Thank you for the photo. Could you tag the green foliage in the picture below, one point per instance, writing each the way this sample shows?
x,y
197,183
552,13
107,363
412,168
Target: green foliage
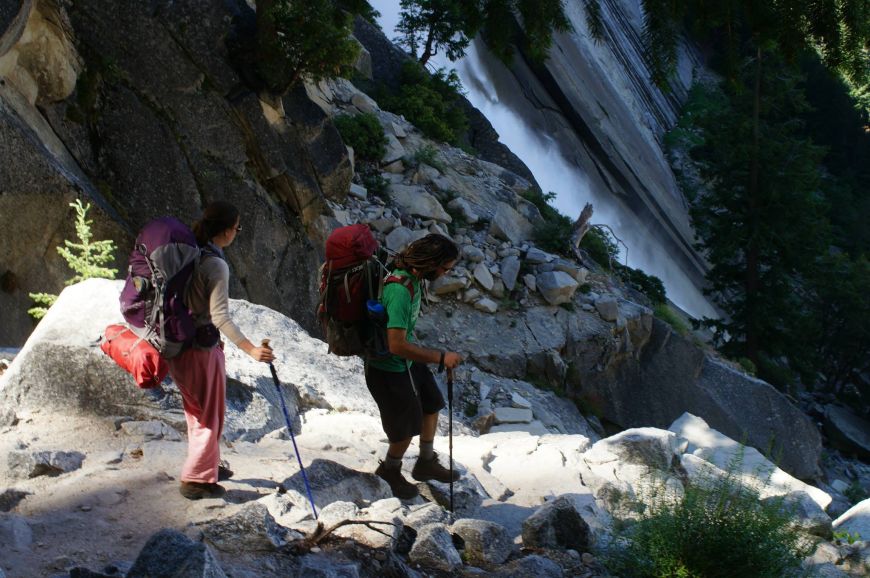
x,y
43,302
855,493
649,285
364,133
552,235
428,155
719,529
297,40
361,7
664,312
427,27
600,246
87,258
375,184
747,365
761,236
840,312
429,101
846,536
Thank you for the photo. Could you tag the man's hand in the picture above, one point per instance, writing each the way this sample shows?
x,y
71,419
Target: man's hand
x,y
452,359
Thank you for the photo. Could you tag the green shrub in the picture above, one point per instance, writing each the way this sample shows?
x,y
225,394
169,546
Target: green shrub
x,y
719,529
431,102
599,245
666,314
776,374
364,133
553,234
375,184
428,155
747,365
855,493
649,285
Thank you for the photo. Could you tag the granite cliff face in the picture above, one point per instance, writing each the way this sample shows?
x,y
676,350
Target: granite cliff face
x,y
138,110
595,103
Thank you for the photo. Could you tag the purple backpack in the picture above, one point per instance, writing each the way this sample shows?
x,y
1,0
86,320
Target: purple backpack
x,y
160,268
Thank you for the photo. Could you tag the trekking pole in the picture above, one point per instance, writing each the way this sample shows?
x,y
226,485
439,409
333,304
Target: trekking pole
x,y
450,431
290,429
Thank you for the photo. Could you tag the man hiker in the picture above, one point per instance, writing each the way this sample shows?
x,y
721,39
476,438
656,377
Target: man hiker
x,y
402,385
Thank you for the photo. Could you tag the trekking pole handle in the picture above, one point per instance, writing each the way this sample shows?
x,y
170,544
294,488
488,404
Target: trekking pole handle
x,y
265,343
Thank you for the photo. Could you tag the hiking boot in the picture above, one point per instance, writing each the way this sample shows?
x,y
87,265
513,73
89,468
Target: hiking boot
x,y
425,470
199,490
224,471
402,488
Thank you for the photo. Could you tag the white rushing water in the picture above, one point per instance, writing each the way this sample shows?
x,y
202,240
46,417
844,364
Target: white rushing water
x,y
557,174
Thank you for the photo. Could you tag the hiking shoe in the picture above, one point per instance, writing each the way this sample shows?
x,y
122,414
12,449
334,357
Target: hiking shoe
x,y
224,471
425,470
402,488
199,490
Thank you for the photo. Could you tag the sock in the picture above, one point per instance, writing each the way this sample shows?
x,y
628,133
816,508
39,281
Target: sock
x,y
427,451
392,463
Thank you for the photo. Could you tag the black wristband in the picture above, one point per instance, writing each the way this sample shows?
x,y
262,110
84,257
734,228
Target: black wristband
x,y
441,363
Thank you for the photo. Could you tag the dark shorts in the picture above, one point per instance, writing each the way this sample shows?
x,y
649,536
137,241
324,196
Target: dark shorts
x,y
401,409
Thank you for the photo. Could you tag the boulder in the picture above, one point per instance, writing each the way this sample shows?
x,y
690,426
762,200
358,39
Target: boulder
x,y
465,209
394,150
61,368
558,525
416,201
509,225
510,269
556,286
171,553
856,520
847,432
251,529
485,542
746,462
532,565
434,548
666,375
483,276
26,464
447,284
486,305
401,237
608,309
332,482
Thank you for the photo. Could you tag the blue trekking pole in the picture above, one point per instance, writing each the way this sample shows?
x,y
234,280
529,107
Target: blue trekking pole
x,y
290,429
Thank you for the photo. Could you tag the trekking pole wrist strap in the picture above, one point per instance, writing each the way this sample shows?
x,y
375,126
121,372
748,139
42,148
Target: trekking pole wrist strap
x,y
441,363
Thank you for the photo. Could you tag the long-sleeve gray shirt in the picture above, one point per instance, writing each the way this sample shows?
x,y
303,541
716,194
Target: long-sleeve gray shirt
x,y
208,297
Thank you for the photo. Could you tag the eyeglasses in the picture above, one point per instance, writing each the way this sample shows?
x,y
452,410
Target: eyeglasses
x,y
238,228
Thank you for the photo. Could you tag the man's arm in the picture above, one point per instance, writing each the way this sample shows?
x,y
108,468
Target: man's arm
x,y
399,345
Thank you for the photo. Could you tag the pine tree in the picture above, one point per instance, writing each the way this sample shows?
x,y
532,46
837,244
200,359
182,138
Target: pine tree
x,y
87,258
302,39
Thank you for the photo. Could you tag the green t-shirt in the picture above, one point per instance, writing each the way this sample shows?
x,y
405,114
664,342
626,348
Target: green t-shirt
x,y
402,313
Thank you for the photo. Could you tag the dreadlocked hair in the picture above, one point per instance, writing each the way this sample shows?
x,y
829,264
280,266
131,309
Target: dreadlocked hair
x,y
427,254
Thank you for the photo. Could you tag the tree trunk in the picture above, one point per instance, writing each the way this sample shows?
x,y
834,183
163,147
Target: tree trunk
x,y
752,251
427,50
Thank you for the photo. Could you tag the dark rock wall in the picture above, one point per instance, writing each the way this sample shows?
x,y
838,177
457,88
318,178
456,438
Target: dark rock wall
x,y
162,123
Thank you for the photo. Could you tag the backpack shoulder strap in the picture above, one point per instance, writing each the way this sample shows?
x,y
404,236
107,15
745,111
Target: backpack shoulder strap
x,y
402,280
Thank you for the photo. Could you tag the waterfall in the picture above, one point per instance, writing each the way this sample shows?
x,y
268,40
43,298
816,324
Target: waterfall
x,y
553,161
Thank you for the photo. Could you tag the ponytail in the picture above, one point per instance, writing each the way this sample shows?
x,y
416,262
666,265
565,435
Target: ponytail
x,y
217,217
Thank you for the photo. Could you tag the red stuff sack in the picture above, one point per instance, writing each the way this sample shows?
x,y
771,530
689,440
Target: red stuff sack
x,y
134,355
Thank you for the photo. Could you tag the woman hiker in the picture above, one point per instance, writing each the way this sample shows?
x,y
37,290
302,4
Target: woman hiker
x,y
402,385
199,370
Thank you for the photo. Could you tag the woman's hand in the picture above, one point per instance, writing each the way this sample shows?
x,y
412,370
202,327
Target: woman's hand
x,y
452,359
263,354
